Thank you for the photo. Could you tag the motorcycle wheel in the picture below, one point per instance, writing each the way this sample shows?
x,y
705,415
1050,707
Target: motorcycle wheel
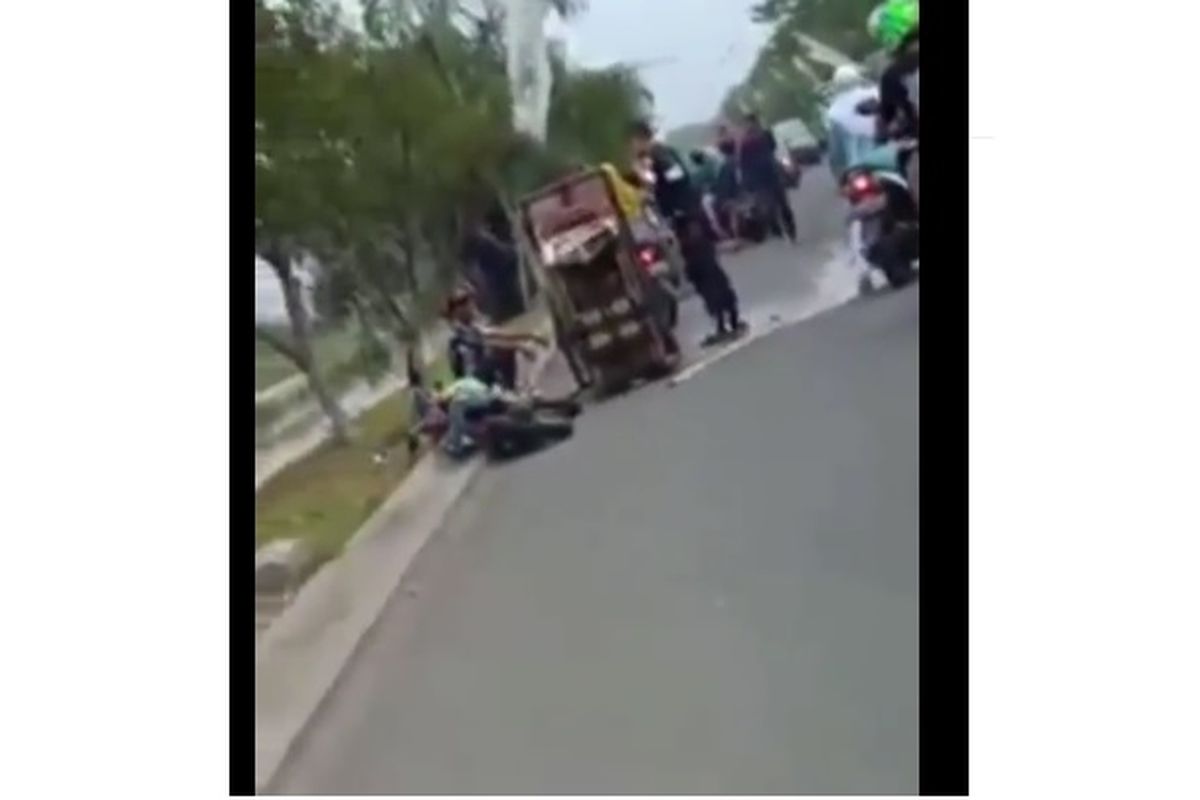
x,y
508,439
899,274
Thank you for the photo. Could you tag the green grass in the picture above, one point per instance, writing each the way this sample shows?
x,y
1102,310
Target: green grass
x,y
325,497
332,348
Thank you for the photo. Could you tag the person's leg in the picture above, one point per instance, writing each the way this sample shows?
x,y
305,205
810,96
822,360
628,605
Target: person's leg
x,y
784,210
726,298
697,277
769,210
457,440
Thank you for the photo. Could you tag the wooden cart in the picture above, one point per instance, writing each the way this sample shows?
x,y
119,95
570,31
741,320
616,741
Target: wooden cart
x,y
612,320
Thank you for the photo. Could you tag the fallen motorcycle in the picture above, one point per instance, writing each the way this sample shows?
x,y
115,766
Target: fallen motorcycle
x,y
502,428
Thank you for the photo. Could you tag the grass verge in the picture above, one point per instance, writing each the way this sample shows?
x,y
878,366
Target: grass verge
x,y
326,496
331,347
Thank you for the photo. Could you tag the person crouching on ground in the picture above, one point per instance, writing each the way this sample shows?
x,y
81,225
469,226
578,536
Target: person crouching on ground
x,y
481,351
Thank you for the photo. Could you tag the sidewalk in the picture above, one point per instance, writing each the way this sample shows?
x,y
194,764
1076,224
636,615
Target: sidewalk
x,y
300,656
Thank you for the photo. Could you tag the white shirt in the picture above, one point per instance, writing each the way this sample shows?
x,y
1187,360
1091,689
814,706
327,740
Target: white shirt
x,y
843,111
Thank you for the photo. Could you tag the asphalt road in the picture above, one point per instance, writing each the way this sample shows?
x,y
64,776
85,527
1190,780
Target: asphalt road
x,y
712,588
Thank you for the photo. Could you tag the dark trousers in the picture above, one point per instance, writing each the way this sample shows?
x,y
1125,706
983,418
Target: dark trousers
x,y
697,241
713,286
774,198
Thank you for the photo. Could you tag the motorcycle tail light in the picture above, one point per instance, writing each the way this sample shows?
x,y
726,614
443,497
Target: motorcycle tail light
x,y
860,186
647,256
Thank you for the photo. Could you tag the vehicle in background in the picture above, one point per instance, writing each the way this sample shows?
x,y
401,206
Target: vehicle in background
x,y
797,148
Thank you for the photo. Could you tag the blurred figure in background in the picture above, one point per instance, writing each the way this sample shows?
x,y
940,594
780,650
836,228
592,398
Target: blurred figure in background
x,y
727,189
763,176
705,168
491,255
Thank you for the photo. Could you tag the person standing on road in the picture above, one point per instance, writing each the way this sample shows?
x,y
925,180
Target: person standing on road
x,y
764,177
679,201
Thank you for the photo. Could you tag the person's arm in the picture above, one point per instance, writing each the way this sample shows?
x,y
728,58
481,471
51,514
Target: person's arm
x,y
511,340
892,99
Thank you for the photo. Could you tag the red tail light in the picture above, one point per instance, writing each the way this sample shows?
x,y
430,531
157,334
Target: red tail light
x,y
860,186
647,256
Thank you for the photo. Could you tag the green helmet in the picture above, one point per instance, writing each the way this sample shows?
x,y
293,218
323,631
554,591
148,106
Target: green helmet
x,y
893,21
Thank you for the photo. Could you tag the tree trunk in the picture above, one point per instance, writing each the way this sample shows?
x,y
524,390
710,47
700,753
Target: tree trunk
x,y
406,332
300,351
408,256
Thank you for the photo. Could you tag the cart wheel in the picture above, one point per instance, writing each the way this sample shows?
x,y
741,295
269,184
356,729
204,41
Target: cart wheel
x,y
578,366
583,374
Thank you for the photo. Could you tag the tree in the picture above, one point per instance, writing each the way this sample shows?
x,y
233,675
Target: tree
x,y
374,148
296,164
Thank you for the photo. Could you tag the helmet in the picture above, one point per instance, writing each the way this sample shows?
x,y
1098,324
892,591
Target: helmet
x,y
891,22
459,295
844,77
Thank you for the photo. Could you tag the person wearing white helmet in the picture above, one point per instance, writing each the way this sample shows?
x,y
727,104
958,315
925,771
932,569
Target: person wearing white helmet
x,y
851,133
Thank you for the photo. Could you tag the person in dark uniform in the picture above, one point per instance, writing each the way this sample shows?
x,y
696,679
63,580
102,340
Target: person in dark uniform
x,y
679,201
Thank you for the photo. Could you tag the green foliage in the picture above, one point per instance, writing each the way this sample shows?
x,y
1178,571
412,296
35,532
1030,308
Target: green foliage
x,y
395,134
788,76
590,114
376,147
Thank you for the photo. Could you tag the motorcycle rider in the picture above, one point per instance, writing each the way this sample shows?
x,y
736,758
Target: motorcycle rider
x,y
895,24
679,201
851,134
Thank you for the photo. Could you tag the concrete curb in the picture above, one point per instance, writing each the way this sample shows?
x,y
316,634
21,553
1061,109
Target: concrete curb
x,y
301,656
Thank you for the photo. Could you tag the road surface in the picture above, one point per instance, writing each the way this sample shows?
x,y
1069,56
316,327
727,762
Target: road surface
x,y
711,589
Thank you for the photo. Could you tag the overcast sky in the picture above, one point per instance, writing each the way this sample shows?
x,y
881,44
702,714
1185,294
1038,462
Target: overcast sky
x,y
706,47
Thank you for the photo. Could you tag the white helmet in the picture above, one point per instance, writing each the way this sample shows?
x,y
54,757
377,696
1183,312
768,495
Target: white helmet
x,y
844,77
